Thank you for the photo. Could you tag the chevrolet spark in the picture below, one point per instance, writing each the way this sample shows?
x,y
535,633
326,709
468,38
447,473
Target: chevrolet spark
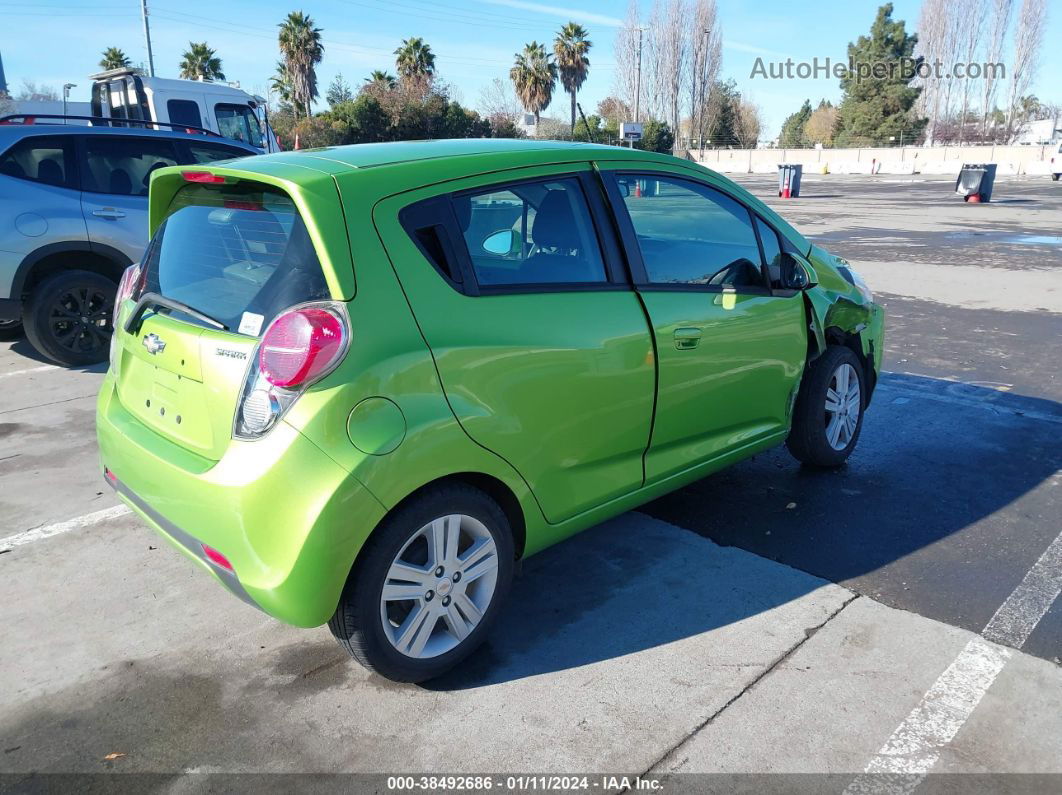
x,y
358,385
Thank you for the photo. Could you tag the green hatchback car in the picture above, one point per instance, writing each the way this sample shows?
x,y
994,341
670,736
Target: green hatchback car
x,y
358,385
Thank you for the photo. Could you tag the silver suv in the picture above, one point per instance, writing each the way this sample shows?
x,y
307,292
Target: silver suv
x,y
73,216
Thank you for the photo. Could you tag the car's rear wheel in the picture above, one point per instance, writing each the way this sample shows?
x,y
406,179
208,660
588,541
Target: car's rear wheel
x,y
68,317
828,415
1055,177
10,329
428,585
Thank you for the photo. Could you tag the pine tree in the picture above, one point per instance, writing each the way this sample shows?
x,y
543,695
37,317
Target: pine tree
x,y
878,96
792,135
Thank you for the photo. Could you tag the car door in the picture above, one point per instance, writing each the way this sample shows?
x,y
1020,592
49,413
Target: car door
x,y
729,349
542,347
39,202
115,174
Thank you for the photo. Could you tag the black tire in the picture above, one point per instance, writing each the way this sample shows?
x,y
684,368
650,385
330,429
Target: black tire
x,y
358,625
10,329
1054,177
68,317
808,441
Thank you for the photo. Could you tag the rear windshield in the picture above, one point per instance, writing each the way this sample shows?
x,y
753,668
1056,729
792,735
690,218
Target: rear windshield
x,y
239,254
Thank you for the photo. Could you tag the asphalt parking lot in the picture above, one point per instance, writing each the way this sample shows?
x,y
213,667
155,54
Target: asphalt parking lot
x,y
897,617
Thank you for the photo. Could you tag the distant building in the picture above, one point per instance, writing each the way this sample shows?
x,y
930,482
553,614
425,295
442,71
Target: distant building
x,y
1039,133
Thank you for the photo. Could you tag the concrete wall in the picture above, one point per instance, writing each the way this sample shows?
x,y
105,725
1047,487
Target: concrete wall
x,y
895,160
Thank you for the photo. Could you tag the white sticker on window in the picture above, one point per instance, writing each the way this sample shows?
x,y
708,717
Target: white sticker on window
x,y
251,323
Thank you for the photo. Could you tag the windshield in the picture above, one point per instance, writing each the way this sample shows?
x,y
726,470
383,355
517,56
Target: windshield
x,y
237,253
240,123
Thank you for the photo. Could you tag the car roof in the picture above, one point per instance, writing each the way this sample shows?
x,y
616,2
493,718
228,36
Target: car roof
x,y
10,133
359,156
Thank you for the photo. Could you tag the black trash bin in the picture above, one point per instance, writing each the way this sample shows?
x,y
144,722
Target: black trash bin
x,y
789,180
975,182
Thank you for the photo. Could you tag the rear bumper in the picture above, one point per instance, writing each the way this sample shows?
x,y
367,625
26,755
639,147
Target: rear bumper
x,y
287,517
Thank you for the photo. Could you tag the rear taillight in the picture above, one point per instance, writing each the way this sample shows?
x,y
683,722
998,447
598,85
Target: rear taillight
x,y
299,348
125,289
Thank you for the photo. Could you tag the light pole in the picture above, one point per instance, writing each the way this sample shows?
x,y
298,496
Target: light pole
x,y
66,96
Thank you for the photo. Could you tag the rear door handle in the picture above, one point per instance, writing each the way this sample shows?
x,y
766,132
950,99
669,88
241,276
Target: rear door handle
x,y
108,212
687,338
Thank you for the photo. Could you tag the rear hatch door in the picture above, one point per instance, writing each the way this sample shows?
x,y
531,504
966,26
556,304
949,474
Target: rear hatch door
x,y
238,254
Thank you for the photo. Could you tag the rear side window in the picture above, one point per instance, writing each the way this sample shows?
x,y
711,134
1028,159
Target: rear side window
x,y
184,111
239,253
43,159
531,233
208,153
122,165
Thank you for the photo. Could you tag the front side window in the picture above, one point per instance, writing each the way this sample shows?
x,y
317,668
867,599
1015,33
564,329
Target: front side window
x,y
240,254
772,252
691,234
239,123
531,233
40,159
122,165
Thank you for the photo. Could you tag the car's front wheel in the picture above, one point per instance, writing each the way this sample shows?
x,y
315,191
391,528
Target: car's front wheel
x,y
828,414
428,585
68,317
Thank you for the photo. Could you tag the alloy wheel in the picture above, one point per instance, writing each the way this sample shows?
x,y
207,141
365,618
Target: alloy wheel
x,y
80,319
439,586
843,404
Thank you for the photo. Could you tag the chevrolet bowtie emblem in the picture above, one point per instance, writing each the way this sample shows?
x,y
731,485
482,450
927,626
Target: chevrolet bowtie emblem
x,y
153,343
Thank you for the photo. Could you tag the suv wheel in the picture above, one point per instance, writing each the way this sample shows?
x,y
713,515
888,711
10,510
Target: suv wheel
x,y
10,329
828,414
68,317
428,585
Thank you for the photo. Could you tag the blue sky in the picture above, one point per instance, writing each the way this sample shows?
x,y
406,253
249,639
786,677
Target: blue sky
x,y
60,40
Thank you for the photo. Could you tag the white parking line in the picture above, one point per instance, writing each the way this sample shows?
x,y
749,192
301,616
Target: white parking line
x,y
40,533
28,370
1018,616
912,750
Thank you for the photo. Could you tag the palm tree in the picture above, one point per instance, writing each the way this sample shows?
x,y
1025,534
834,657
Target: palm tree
x,y
300,45
114,58
379,77
571,47
199,62
280,84
414,59
534,75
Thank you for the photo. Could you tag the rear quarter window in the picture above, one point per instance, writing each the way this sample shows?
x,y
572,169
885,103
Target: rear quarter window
x,y
240,254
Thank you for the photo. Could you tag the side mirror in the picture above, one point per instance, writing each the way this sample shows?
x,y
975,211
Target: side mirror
x,y
503,242
797,273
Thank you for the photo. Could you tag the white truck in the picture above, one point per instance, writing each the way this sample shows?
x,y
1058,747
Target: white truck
x,y
220,107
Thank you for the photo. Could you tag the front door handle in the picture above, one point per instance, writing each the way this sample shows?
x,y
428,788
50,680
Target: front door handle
x,y
687,338
108,212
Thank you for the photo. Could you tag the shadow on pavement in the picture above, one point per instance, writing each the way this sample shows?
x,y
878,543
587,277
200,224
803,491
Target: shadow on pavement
x,y
936,459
